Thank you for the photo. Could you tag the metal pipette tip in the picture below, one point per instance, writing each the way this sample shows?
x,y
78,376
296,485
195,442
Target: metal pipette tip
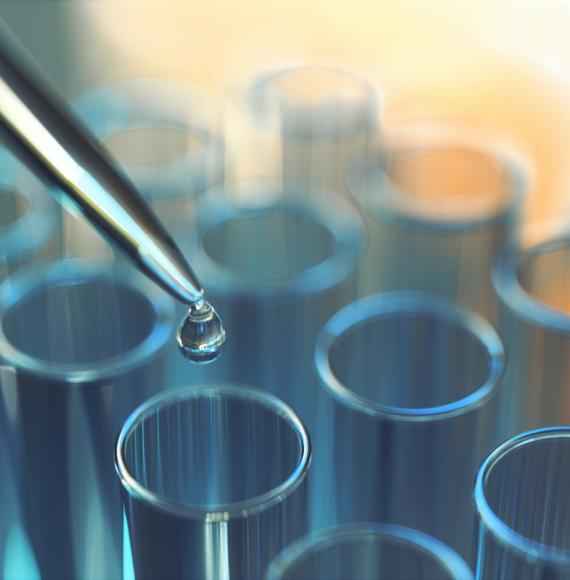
x,y
201,334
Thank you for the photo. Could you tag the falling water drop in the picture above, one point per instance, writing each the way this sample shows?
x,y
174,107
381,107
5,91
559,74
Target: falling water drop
x,y
201,335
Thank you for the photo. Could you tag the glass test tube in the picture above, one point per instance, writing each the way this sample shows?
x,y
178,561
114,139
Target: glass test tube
x,y
438,204
522,503
532,279
163,133
80,345
368,552
323,117
28,217
28,234
277,263
213,481
406,414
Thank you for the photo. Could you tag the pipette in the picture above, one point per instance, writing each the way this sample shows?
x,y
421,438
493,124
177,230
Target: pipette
x,y
41,129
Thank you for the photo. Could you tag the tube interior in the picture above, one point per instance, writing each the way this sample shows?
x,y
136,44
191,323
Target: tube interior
x,y
212,450
545,275
151,147
13,206
365,556
78,321
527,488
409,360
272,243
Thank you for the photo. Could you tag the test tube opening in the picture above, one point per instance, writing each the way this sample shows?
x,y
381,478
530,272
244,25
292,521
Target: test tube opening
x,y
411,355
153,148
521,495
74,316
212,452
368,552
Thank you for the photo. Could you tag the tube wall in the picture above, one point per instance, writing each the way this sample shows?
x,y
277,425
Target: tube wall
x,y
213,482
438,205
368,552
277,265
521,499
406,413
532,279
81,346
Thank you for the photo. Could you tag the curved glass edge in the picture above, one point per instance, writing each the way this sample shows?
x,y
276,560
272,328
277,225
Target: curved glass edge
x,y
262,97
504,534
139,103
65,271
390,303
358,178
38,223
338,216
238,510
449,560
532,240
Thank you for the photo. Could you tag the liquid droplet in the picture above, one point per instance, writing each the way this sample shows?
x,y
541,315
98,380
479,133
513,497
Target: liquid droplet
x,y
201,335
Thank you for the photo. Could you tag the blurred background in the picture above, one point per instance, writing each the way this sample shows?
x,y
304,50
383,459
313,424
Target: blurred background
x,y
499,62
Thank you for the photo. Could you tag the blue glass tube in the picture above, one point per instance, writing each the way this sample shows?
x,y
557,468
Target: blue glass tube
x,y
532,279
277,264
81,345
164,134
29,217
368,552
406,414
213,482
521,499
322,117
438,204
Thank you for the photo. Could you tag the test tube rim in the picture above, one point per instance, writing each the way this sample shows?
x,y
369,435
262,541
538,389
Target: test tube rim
x,y
409,301
383,209
527,548
238,510
70,270
137,90
34,228
346,229
262,87
447,558
505,278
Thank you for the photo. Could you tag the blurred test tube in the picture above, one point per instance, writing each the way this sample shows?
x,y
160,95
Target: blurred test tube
x,y
320,117
29,222
276,264
164,134
523,507
213,482
368,552
80,345
406,414
532,279
438,203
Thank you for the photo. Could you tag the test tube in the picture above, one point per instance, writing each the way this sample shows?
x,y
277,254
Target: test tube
x,y
521,499
277,263
406,414
532,277
163,133
368,552
28,234
28,217
80,346
213,482
321,116
438,204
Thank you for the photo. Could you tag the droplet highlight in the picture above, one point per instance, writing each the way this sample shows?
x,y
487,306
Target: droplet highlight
x,y
201,335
